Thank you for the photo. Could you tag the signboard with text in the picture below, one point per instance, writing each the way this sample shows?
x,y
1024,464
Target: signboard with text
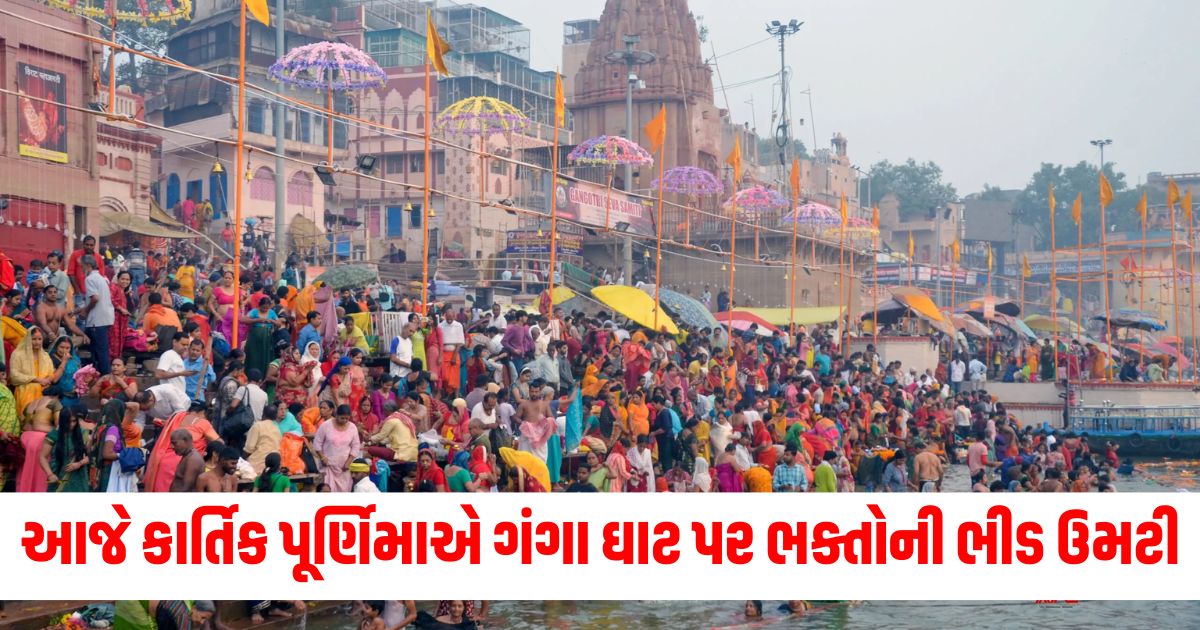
x,y
529,242
586,203
42,113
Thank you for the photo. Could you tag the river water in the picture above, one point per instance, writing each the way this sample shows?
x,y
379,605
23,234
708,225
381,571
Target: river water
x,y
1153,475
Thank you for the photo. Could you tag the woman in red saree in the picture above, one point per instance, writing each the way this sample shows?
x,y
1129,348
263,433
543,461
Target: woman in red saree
x,y
120,302
481,469
429,474
294,379
618,467
161,465
433,353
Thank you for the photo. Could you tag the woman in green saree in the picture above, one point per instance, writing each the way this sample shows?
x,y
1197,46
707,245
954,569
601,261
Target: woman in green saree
x,y
64,456
600,473
259,349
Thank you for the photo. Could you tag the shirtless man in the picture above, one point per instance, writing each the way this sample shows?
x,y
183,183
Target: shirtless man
x,y
534,408
191,464
1052,482
221,477
51,314
927,468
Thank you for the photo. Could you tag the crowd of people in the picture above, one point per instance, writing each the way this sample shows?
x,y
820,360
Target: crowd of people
x,y
124,374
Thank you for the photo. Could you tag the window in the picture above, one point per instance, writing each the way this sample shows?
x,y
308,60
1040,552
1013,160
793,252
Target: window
x,y
124,163
414,217
254,117
439,160
262,186
393,163
195,190
300,189
416,163
373,221
395,221
305,122
499,167
101,159
339,134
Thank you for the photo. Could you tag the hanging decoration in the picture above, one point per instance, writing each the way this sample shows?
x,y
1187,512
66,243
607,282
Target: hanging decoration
x,y
480,116
141,11
689,180
609,151
328,66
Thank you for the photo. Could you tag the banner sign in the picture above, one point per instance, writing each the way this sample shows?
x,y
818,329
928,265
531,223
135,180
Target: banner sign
x,y
42,125
528,242
585,202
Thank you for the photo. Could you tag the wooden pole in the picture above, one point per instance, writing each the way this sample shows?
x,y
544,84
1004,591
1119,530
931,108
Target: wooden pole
x,y
662,159
112,66
1141,276
1192,282
240,179
1108,339
329,119
792,276
1079,284
1175,293
842,301
425,199
554,213
732,266
875,284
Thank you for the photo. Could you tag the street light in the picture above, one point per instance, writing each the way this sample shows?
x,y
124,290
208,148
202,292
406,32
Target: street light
x,y
783,133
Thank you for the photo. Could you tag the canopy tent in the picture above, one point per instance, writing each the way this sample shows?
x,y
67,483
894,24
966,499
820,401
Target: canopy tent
x,y
635,305
804,316
305,234
976,307
1133,318
158,215
1014,324
923,306
113,222
1161,349
968,326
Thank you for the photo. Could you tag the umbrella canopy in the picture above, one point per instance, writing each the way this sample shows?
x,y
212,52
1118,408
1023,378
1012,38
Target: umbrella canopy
x,y
743,326
975,307
804,316
1045,323
855,227
813,213
1013,324
747,318
349,277
480,115
920,303
1169,350
328,66
1133,318
888,311
609,151
635,305
685,309
969,326
757,199
689,180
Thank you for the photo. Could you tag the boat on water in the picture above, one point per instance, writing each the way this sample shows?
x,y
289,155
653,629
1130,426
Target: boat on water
x,y
1147,430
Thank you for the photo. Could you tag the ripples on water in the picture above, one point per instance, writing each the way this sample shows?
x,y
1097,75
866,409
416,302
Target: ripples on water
x,y
1154,475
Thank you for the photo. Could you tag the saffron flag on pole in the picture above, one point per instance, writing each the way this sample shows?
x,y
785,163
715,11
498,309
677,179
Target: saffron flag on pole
x,y
435,46
875,217
844,208
1077,209
1026,270
1051,201
656,130
1106,191
258,8
989,259
735,161
1187,206
560,103
1141,209
1172,193
955,250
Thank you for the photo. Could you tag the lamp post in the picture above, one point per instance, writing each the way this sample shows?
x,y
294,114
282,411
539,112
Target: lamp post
x,y
632,58
783,132
1104,253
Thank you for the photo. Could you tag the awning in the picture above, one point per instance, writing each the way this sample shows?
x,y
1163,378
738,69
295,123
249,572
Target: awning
x,y
113,222
805,316
158,215
921,304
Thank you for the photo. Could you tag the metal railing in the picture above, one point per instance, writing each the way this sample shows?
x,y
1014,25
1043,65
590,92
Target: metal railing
x,y
1139,419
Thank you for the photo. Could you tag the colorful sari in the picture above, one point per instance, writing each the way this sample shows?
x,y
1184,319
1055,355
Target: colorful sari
x,y
116,334
24,366
294,381
9,423
618,466
537,476
259,349
161,465
74,481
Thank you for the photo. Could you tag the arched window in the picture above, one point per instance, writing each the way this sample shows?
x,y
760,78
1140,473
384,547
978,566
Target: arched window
x,y
420,120
300,189
262,187
172,190
498,188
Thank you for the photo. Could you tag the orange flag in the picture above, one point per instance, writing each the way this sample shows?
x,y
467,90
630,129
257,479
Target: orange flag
x,y
734,160
1172,193
1141,209
955,250
435,46
989,257
795,178
1106,191
875,217
1026,270
1077,209
258,8
1052,201
656,130
911,248
560,104
845,210
1187,206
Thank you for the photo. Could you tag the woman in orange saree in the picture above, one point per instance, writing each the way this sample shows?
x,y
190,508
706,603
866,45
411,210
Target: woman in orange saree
x,y
161,465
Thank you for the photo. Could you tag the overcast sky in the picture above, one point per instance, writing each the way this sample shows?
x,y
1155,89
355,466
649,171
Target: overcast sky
x,y
988,89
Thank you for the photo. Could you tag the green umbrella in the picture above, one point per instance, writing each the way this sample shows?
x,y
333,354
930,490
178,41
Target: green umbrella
x,y
349,277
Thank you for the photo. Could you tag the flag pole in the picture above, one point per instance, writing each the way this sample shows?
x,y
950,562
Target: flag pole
x,y
662,155
240,179
1053,283
875,287
1079,275
1104,280
554,200
795,231
1022,294
425,200
1141,274
112,65
1175,293
1187,212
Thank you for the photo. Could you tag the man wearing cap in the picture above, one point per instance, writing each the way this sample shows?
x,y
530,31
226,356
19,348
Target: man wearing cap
x,y
360,472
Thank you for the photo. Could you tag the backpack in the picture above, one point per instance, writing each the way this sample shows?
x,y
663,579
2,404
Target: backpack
x,y
236,423
131,459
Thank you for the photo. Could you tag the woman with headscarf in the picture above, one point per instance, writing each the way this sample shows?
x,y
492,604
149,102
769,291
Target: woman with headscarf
x,y
324,304
701,479
430,477
221,305
336,386
63,456
481,469
66,364
293,380
591,383
618,467
358,377
120,302
311,363
527,472
30,369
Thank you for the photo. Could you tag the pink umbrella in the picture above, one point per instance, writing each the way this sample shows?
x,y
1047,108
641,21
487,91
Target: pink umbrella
x,y
813,213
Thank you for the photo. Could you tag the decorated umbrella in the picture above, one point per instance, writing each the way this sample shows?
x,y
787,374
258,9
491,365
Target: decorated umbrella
x,y
923,306
328,66
635,305
1012,323
754,202
349,277
855,228
113,11
689,181
975,308
813,213
481,117
742,320
610,152
686,309
969,326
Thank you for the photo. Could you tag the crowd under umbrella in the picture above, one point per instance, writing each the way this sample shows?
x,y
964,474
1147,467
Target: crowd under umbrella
x,y
141,12
691,182
609,152
481,117
329,67
754,202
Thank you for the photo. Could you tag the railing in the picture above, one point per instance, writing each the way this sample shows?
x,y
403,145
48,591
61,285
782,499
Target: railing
x,y
1141,419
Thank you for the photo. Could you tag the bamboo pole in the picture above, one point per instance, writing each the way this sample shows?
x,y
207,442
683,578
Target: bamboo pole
x,y
425,199
792,276
1108,339
1053,290
1192,281
240,180
662,159
554,216
1175,295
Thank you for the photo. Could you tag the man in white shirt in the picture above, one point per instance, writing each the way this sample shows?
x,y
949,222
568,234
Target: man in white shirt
x,y
360,472
256,396
402,352
159,402
99,313
171,370
498,320
978,372
485,411
958,371
452,331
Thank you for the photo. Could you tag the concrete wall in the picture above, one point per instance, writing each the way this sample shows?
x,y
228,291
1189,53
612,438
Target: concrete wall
x,y
911,352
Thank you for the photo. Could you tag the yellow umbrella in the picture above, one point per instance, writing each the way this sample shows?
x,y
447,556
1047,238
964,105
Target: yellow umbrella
x,y
634,304
921,304
1045,323
561,294
804,315
529,462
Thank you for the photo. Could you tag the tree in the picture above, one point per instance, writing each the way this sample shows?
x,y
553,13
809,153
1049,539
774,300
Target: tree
x,y
142,76
1032,205
768,151
918,186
